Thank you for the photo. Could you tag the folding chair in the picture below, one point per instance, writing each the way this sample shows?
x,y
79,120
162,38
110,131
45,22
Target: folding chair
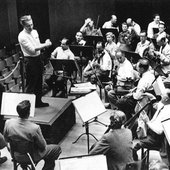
x,y
22,154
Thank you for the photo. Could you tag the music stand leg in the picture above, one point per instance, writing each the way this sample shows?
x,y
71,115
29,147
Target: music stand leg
x,y
86,133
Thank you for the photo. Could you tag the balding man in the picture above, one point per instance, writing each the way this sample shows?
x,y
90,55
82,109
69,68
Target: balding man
x,y
112,23
132,25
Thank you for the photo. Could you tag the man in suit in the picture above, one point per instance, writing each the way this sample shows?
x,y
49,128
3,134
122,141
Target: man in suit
x,y
29,131
116,144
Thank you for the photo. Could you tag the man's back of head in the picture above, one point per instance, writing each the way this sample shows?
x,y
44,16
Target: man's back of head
x,y
23,109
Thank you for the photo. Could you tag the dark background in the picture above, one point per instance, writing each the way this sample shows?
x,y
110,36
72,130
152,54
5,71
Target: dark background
x,y
55,19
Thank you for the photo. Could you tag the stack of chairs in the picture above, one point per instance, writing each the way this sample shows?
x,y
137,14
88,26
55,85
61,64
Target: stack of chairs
x,y
9,78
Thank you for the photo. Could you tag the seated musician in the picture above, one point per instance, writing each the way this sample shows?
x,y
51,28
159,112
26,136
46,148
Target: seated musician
x,y
123,78
111,47
152,25
57,82
161,33
99,68
88,28
155,133
112,23
79,40
143,44
126,37
128,102
162,56
115,144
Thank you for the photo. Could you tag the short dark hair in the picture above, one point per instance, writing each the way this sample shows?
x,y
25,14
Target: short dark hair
x,y
154,15
24,19
23,109
117,119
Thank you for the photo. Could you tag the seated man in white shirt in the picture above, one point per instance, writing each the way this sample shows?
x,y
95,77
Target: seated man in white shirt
x,y
155,132
152,25
122,78
143,44
128,102
57,81
112,23
99,68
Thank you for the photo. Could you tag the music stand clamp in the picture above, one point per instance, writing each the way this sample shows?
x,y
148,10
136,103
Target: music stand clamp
x,y
65,65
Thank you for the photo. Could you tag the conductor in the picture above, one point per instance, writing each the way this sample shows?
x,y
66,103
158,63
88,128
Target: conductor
x,y
30,45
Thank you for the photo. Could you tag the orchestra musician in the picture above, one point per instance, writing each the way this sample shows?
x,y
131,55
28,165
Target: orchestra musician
x,y
116,144
100,66
89,29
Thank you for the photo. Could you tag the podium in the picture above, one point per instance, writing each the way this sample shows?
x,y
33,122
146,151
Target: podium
x,y
92,39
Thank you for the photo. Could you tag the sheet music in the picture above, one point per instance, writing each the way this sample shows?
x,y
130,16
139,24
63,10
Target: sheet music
x,y
11,100
86,85
96,162
159,87
89,106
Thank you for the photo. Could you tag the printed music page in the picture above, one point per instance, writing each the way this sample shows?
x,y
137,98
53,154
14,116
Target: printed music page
x,y
11,100
96,162
89,106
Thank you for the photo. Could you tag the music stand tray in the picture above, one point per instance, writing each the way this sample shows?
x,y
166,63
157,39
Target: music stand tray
x,y
60,64
82,51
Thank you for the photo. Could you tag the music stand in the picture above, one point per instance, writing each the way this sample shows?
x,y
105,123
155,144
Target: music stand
x,y
92,39
132,56
113,30
66,65
82,51
155,30
88,107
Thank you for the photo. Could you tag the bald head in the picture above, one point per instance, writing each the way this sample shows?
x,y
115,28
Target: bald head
x,y
113,19
129,21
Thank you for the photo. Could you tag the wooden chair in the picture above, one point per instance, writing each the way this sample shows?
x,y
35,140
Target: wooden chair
x,y
22,154
9,63
15,57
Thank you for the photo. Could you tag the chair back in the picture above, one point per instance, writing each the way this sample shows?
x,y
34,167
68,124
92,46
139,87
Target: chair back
x,y
22,151
138,165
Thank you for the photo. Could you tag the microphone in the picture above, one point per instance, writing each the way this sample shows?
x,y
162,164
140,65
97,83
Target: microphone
x,y
158,98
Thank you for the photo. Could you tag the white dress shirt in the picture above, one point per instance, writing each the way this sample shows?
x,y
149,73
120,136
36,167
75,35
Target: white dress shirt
x,y
161,114
59,53
144,84
150,32
29,42
141,47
